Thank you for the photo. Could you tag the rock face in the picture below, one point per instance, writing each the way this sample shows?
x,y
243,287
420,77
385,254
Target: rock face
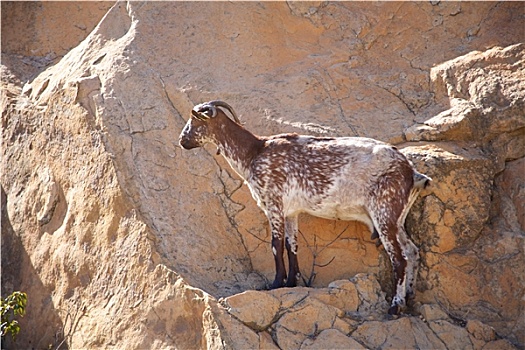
x,y
123,240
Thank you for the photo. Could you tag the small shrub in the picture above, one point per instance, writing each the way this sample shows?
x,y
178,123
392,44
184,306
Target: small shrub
x,y
10,307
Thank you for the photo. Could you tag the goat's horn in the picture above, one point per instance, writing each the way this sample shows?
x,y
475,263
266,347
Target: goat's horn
x,y
198,115
202,108
228,107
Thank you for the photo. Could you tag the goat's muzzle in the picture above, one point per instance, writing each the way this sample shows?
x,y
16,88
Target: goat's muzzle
x,y
187,138
187,143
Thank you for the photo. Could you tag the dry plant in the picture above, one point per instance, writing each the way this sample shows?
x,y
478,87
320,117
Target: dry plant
x,y
316,250
73,316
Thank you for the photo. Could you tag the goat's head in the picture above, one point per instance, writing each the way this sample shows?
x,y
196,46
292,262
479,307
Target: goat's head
x,y
206,120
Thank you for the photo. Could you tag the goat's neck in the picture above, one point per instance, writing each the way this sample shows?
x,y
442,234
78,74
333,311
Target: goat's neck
x,y
239,147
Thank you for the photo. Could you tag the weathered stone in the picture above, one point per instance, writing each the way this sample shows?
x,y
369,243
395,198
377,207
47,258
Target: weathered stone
x,y
453,336
255,309
110,227
501,344
290,297
341,294
457,123
371,297
481,331
306,319
238,335
481,107
404,333
266,341
480,334
458,205
513,195
331,339
432,312
287,339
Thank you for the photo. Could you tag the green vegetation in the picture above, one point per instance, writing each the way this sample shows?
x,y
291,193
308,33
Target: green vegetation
x,y
12,306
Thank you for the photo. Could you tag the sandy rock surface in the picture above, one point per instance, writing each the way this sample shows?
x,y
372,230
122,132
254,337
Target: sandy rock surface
x,y
123,240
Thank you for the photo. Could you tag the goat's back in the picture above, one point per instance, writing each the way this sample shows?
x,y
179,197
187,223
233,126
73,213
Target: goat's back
x,y
326,177
321,159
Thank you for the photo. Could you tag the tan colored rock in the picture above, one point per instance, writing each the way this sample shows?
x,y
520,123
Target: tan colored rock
x,y
481,107
331,339
341,250
371,297
303,312
457,123
459,204
480,334
501,344
53,30
432,312
481,331
306,319
255,309
512,196
106,222
266,342
483,117
238,336
404,333
463,77
453,336
341,294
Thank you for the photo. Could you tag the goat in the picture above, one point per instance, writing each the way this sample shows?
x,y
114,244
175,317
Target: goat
x,y
347,178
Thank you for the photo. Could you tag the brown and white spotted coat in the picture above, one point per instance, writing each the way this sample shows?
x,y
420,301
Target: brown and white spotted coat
x,y
347,178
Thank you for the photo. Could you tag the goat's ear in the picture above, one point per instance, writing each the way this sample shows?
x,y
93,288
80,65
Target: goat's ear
x,y
198,115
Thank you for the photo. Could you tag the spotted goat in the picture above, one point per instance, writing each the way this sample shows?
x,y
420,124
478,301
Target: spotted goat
x,y
347,178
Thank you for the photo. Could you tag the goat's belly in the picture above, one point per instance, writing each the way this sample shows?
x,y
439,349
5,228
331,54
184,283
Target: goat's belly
x,y
341,212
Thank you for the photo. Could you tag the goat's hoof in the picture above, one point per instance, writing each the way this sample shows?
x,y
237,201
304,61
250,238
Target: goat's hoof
x,y
291,284
394,310
411,295
277,284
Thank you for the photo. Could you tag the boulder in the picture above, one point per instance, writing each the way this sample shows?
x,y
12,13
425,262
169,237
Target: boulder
x,y
255,309
123,240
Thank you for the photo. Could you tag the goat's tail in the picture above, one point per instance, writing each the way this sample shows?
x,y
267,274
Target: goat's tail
x,y
421,180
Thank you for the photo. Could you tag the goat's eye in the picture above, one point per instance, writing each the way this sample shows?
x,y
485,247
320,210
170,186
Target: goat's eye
x,y
208,112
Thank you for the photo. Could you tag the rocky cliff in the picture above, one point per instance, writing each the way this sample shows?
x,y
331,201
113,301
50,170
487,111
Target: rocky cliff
x,y
123,240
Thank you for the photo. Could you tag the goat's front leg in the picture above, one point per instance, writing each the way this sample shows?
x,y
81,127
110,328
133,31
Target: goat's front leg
x,y
277,227
290,228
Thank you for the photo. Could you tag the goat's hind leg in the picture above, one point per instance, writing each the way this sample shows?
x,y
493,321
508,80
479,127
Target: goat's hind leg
x,y
404,256
396,250
411,254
